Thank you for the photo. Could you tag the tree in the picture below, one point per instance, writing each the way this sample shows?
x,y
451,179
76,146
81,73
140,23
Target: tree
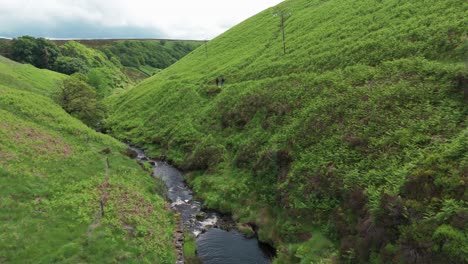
x,y
40,52
23,49
98,79
5,48
69,65
80,100
45,53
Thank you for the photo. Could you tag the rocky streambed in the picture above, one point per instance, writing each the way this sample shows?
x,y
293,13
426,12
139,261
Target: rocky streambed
x,y
217,239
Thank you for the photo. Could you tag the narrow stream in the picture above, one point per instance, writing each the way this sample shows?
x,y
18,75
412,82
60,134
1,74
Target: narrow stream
x,y
217,239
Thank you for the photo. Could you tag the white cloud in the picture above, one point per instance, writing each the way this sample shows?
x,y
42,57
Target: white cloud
x,y
187,19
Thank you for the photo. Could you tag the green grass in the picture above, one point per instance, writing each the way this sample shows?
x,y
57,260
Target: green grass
x,y
27,77
190,249
189,246
337,135
52,169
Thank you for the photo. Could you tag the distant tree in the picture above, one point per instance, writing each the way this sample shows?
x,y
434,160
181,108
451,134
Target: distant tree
x,y
5,48
40,52
45,53
80,100
23,49
69,65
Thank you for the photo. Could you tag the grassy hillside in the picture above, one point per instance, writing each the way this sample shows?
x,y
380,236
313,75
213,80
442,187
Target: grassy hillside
x,y
28,78
351,146
53,177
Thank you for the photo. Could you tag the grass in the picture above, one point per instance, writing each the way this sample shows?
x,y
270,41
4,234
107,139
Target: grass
x,y
190,249
53,169
336,135
189,246
27,77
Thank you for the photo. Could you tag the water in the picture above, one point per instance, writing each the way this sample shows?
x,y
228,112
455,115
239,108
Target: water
x,y
229,247
214,245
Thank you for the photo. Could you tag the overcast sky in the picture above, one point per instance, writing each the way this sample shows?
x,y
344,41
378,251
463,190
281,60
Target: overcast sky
x,y
174,19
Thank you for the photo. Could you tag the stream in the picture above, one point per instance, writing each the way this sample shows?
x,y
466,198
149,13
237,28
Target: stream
x,y
217,239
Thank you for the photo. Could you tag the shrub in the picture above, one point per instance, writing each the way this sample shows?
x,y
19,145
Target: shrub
x,y
69,65
80,100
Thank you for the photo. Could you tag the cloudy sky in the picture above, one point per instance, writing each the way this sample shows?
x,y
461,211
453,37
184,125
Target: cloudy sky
x,y
175,19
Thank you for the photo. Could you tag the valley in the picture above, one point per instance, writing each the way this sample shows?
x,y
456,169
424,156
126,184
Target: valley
x,y
329,131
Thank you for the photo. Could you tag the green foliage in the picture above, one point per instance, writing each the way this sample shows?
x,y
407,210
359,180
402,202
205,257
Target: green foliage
x,y
39,52
190,249
80,100
5,48
189,246
23,49
46,53
69,65
99,79
317,248
104,74
452,242
157,54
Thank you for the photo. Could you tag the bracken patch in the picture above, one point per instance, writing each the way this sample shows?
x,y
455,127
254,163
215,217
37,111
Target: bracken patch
x,y
39,142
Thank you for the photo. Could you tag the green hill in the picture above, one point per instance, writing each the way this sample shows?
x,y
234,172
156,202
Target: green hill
x,y
28,78
350,146
53,177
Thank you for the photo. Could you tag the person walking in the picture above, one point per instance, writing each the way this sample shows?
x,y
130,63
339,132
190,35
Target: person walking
x,y
217,82
222,82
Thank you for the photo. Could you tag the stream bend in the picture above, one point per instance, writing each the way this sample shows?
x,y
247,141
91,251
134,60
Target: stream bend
x,y
214,245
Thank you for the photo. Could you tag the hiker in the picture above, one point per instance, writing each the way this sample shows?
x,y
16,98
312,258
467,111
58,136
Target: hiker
x,y
222,82
217,82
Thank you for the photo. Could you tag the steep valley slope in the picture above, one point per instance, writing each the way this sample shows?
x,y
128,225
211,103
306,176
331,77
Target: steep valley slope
x,y
53,180
350,146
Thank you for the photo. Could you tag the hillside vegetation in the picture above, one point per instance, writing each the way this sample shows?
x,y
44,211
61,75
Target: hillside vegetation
x,y
53,177
351,146
105,74
110,64
148,56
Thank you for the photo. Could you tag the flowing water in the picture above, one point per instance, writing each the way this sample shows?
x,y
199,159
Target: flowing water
x,y
217,239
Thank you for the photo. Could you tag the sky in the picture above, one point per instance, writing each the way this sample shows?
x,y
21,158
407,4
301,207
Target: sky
x,y
171,19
